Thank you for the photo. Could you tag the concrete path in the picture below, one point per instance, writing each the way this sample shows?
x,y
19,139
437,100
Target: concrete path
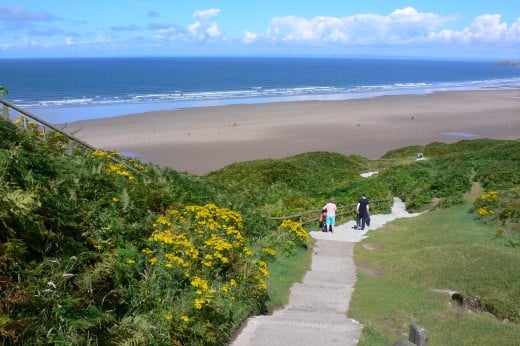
x,y
316,313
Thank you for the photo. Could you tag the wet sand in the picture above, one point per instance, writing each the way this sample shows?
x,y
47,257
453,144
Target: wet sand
x,y
201,140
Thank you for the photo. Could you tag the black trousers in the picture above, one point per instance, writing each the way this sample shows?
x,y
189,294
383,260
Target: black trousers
x,y
363,218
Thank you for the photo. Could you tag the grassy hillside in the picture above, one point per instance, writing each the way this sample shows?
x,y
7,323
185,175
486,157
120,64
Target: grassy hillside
x,y
300,183
408,271
93,251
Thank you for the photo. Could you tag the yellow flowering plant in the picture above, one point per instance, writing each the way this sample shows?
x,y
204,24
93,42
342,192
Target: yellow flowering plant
x,y
119,168
286,240
499,208
202,250
296,232
486,204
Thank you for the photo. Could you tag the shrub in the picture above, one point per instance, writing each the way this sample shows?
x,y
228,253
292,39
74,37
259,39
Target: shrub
x,y
501,210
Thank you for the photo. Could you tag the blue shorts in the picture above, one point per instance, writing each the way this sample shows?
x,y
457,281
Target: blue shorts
x,y
330,220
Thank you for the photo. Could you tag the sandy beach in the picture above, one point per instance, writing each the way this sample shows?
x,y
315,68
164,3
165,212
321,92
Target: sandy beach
x,y
201,140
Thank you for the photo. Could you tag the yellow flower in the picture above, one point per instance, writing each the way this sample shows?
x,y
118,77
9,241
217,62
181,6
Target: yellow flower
x,y
153,260
269,251
147,251
115,199
130,261
199,283
490,195
163,221
263,268
262,285
185,319
198,303
297,229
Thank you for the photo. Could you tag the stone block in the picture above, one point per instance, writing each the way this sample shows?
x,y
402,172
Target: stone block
x,y
418,335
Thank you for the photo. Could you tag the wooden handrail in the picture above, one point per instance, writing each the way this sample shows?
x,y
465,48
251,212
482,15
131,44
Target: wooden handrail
x,y
43,122
5,114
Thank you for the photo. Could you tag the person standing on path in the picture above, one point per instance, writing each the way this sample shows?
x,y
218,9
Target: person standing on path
x,y
330,221
362,209
322,220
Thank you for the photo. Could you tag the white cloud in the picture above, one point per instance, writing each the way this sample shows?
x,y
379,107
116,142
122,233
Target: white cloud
x,y
69,41
401,27
514,31
204,27
213,30
488,28
363,29
249,37
206,14
194,28
485,29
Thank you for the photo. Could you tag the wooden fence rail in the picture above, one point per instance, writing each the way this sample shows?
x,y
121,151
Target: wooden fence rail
x,y
45,126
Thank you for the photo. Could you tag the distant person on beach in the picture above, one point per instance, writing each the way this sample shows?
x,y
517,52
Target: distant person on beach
x,y
330,220
362,209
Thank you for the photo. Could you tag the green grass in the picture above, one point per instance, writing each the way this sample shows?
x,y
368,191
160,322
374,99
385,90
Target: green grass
x,y
443,249
284,272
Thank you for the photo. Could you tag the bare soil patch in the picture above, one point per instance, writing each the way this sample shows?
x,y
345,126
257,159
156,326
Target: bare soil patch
x,y
369,270
372,246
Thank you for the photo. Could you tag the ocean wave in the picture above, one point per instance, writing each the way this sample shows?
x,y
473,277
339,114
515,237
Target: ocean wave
x,y
255,94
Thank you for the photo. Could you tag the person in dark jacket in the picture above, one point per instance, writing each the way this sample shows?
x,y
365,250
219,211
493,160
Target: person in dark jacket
x,y
362,210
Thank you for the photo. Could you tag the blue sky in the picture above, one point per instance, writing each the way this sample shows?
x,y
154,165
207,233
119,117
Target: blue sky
x,y
336,28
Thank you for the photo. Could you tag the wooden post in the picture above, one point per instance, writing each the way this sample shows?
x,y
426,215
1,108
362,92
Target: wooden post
x,y
24,121
70,148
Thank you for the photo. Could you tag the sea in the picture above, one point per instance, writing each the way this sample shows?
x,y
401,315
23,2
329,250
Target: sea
x,y
66,90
